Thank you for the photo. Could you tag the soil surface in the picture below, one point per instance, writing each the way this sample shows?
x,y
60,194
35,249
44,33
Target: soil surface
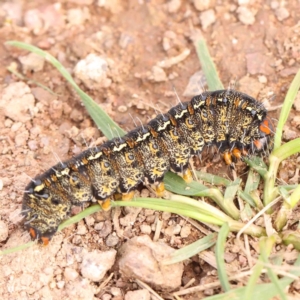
x,y
142,49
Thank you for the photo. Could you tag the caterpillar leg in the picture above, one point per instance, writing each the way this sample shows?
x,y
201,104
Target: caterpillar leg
x,y
160,189
237,153
227,157
187,175
105,204
127,196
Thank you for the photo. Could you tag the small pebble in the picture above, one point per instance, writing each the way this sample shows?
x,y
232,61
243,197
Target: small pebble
x,y
146,229
173,6
245,15
60,284
70,274
207,18
138,295
115,291
202,4
262,79
185,231
95,264
282,13
32,62
158,74
112,240
122,108
81,229
166,215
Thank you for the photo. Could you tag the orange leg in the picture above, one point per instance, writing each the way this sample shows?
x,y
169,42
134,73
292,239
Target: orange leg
x,y
128,196
105,204
237,153
227,158
187,176
45,241
160,189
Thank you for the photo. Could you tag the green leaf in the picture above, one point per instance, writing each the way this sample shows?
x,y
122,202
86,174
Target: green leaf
x,y
220,250
191,250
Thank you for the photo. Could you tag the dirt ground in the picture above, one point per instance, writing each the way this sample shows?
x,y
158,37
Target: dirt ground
x,y
255,45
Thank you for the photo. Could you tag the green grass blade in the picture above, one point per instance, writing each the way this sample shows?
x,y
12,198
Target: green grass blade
x,y
257,164
212,179
220,250
268,290
265,245
100,117
208,66
286,150
285,111
273,277
75,219
191,250
176,184
17,249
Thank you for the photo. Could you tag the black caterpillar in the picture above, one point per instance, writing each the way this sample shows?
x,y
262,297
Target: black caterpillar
x,y
235,122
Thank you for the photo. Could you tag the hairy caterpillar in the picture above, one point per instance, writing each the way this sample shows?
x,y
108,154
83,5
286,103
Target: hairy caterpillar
x,y
235,122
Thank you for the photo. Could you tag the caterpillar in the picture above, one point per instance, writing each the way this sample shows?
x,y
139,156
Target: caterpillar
x,y
234,122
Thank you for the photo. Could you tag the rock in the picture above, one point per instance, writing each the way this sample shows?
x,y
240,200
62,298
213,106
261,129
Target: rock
x,y
245,15
3,231
81,228
115,291
17,102
157,74
112,240
138,295
114,6
185,231
95,264
166,215
281,13
105,228
207,18
141,258
79,289
131,216
203,4
92,71
21,138
289,134
262,79
196,83
146,229
70,274
258,63
32,62
56,109
34,21
122,108
173,230
42,95
77,16
173,6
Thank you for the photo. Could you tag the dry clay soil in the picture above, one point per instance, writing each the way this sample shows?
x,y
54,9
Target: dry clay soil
x,y
255,44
